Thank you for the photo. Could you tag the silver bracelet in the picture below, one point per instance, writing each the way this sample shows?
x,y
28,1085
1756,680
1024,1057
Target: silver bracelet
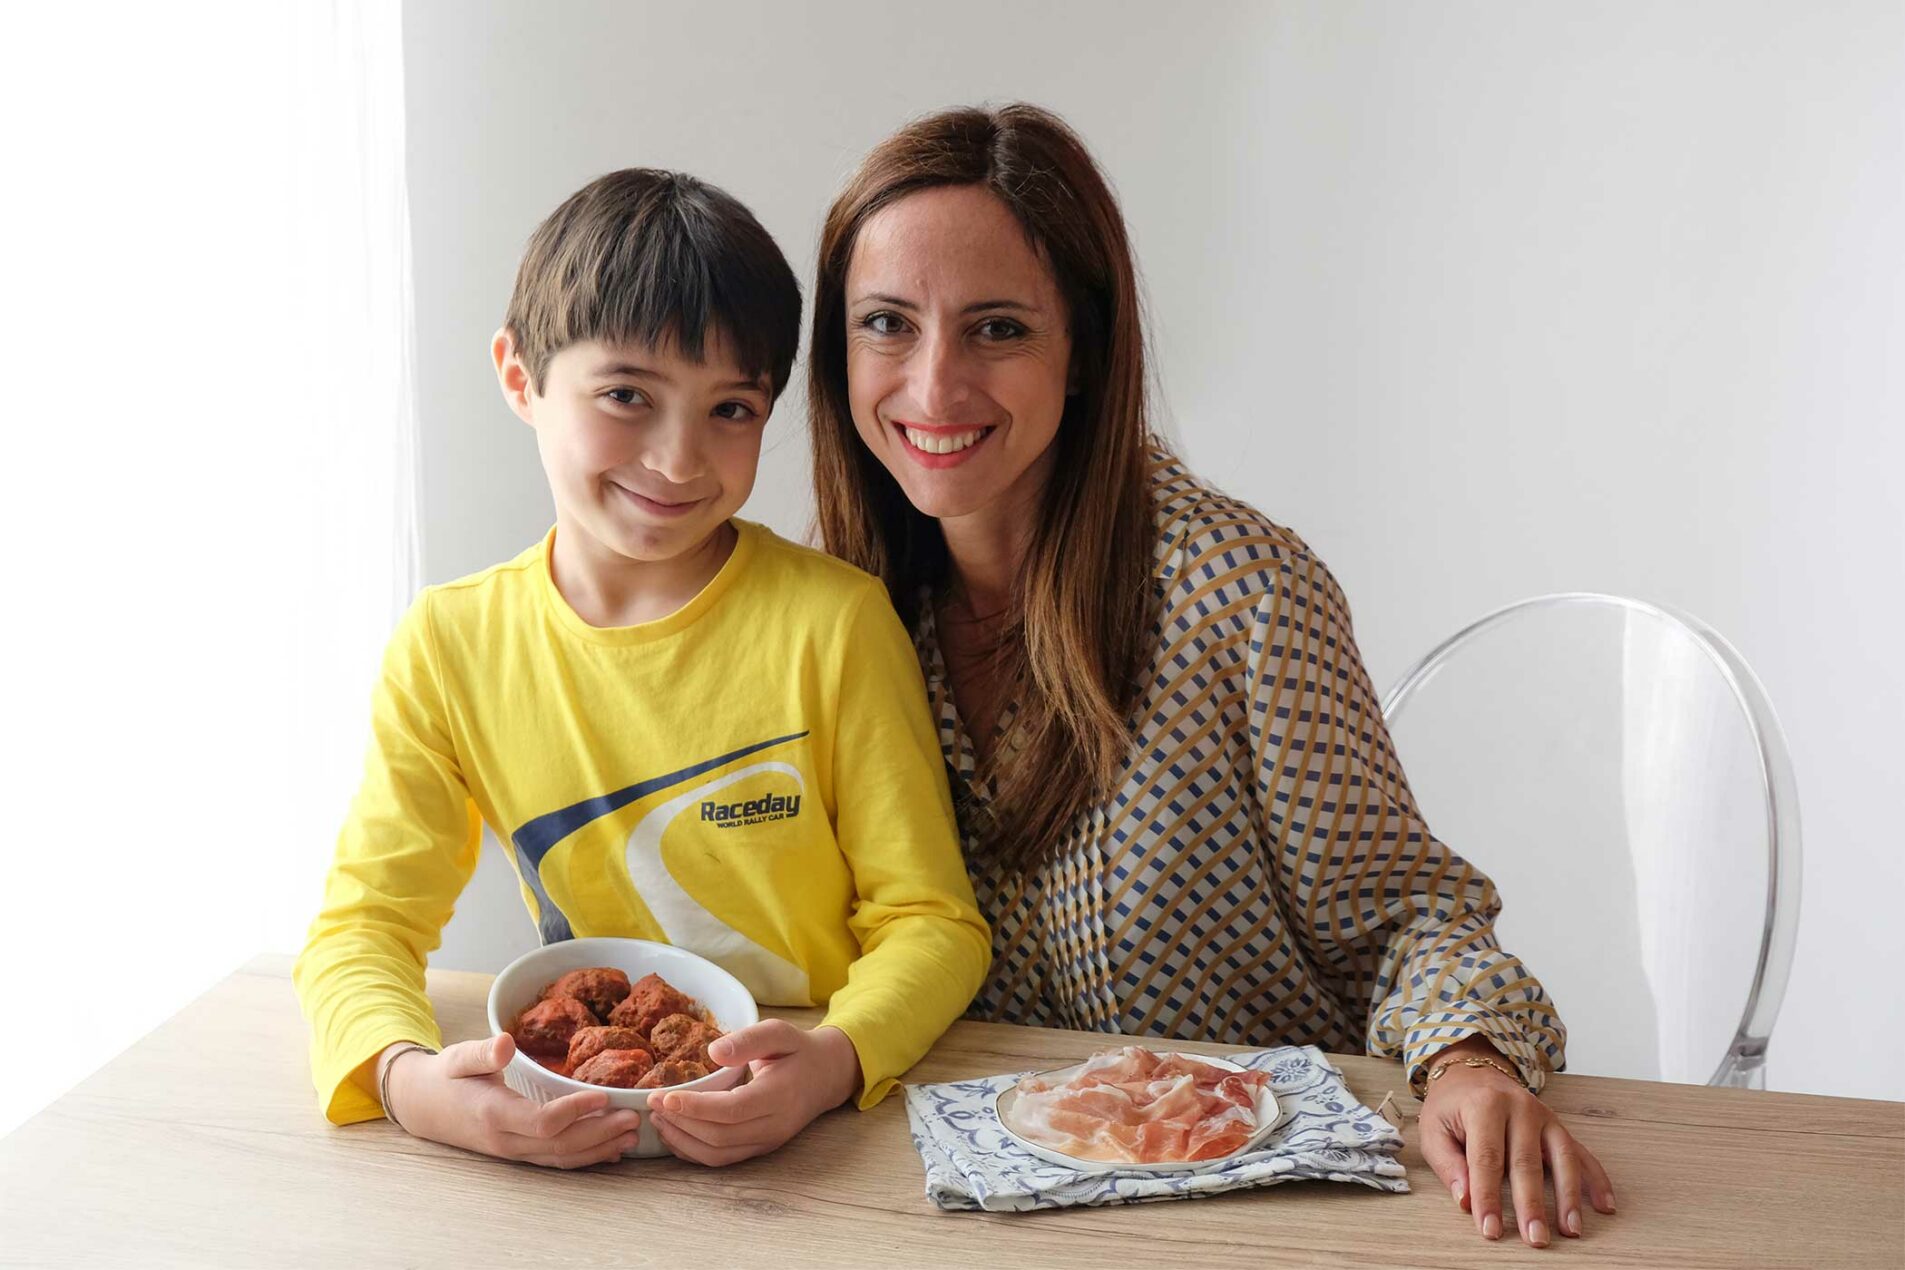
x,y
383,1081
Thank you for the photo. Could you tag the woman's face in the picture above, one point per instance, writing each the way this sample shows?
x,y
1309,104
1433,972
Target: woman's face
x,y
958,352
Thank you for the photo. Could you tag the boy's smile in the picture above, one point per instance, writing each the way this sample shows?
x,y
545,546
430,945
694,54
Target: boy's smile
x,y
658,506
648,453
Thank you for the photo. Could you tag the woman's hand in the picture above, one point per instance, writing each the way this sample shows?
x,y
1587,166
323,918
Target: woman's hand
x,y
1475,1121
796,1076
458,1097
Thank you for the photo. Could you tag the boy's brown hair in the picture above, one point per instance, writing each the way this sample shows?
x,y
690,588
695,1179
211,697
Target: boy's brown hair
x,y
649,256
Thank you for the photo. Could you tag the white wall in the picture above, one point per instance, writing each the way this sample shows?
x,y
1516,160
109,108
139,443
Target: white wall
x,y
1485,300
198,498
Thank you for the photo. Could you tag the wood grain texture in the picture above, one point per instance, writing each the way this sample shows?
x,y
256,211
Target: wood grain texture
x,y
174,1154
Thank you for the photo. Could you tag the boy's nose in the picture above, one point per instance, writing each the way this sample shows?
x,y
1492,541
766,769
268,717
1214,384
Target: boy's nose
x,y
674,453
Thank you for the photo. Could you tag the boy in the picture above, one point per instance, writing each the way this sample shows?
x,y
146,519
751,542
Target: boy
x,y
605,698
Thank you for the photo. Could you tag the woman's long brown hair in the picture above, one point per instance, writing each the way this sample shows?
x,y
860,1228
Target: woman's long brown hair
x,y
1079,628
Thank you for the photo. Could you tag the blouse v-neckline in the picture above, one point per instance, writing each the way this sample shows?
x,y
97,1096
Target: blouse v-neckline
x,y
965,753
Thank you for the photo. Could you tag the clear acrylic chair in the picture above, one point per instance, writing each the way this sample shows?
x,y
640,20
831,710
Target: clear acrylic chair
x,y
1617,769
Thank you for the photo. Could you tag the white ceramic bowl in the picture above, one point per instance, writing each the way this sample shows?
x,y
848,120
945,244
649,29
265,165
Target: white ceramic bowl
x,y
1266,1109
522,982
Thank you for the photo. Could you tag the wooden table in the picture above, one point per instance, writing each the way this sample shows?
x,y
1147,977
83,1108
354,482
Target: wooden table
x,y
167,1157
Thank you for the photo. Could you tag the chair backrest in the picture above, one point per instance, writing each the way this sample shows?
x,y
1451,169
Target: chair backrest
x,y
1616,768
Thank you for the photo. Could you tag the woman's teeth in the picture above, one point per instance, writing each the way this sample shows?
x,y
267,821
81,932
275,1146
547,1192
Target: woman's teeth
x,y
944,442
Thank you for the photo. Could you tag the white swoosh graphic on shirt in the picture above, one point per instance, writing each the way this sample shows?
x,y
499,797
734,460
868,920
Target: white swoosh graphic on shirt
x,y
769,976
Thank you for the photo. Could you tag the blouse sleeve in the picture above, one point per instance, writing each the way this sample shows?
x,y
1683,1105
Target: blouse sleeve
x,y
1397,924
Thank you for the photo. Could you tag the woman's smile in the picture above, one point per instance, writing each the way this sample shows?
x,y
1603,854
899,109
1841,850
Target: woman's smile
x,y
941,445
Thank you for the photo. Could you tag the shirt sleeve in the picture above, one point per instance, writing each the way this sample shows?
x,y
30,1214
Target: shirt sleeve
x,y
407,850
924,948
1396,923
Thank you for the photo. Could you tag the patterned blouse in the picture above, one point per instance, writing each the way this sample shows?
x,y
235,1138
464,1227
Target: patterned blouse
x,y
1261,875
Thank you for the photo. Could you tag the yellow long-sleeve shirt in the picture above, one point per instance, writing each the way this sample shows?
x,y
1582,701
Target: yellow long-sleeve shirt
x,y
754,778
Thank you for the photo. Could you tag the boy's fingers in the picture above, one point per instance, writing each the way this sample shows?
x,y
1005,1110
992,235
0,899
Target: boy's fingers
x,y
589,1134
720,1136
688,1147
509,1114
770,1038
723,1106
479,1058
551,1119
583,1159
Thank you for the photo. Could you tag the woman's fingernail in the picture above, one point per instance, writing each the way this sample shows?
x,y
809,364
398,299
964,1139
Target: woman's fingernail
x,y
1460,1191
1491,1227
1538,1233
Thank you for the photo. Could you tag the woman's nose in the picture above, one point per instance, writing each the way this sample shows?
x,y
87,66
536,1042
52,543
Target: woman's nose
x,y
940,377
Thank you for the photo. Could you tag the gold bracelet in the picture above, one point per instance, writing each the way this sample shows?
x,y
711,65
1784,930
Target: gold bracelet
x,y
1470,1060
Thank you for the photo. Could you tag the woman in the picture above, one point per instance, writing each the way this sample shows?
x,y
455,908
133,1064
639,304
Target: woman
x,y
1180,807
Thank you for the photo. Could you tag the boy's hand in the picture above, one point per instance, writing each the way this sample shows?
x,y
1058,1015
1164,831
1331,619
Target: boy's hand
x,y
458,1097
796,1076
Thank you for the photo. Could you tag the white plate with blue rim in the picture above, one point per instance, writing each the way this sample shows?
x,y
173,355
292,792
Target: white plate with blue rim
x,y
1266,1111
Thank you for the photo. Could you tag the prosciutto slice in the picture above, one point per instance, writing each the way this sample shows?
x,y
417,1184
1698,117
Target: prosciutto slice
x,y
1131,1106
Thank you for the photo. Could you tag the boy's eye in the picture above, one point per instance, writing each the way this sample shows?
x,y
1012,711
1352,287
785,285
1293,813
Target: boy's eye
x,y
883,323
738,410
626,396
1000,329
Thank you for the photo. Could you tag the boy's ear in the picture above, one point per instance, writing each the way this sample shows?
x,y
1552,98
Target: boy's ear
x,y
511,375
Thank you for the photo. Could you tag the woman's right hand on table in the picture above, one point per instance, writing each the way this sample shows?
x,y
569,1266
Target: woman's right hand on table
x,y
458,1098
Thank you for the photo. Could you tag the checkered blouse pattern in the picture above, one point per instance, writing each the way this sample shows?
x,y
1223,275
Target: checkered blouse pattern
x,y
1261,876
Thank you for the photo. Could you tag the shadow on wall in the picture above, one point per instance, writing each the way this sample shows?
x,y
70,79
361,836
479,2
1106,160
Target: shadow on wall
x,y
491,927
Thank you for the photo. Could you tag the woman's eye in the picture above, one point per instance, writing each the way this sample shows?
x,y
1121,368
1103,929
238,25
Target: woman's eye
x,y
883,323
626,396
1000,329
737,410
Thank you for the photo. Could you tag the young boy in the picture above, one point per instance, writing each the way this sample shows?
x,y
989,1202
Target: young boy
x,y
610,697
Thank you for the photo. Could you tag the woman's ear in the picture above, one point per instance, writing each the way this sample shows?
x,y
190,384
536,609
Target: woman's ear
x,y
512,376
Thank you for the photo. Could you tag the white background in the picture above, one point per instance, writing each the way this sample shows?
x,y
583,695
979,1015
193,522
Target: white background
x,y
208,494
1484,300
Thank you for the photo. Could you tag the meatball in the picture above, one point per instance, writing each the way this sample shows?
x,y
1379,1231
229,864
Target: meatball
x,y
546,1027
649,1002
590,1041
618,1069
601,988
684,1037
671,1071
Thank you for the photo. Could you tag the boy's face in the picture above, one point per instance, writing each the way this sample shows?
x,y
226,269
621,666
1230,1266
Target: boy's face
x,y
647,452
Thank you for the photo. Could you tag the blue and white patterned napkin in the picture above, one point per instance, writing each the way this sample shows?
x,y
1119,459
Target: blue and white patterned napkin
x,y
1322,1133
